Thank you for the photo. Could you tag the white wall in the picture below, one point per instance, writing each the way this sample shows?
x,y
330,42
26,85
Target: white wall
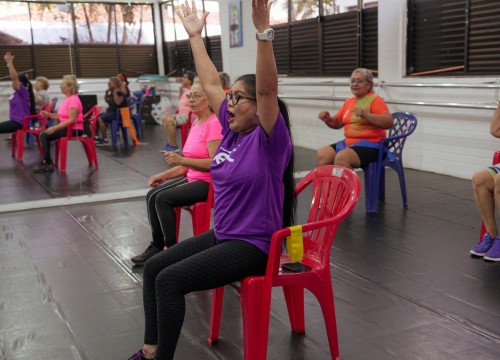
x,y
451,141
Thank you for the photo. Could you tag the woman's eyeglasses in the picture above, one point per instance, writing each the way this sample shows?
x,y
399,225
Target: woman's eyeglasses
x,y
357,81
194,96
235,99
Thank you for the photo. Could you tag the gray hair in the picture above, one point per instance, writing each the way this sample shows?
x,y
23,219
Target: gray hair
x,y
367,74
116,80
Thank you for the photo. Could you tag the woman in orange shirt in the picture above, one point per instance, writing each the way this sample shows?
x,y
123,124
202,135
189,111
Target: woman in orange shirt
x,y
364,117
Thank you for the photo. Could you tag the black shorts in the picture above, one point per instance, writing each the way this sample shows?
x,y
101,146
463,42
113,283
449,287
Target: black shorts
x,y
366,154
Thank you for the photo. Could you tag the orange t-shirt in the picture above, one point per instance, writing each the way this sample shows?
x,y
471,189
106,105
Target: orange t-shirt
x,y
356,128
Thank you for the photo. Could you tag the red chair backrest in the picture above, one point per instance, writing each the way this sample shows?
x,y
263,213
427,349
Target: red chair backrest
x,y
91,116
335,192
43,119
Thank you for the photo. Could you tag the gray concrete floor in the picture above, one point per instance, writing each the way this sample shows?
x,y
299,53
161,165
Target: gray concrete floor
x,y
405,286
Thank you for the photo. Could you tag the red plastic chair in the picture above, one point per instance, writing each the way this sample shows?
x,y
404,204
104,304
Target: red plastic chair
x,y
87,141
496,160
18,136
335,192
200,214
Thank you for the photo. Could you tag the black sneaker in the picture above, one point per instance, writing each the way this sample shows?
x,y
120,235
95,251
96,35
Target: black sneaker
x,y
102,142
44,167
148,253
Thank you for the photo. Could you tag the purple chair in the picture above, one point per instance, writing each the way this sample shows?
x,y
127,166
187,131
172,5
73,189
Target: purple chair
x,y
390,154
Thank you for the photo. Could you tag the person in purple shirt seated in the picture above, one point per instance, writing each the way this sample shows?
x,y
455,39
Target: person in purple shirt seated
x,y
22,101
252,174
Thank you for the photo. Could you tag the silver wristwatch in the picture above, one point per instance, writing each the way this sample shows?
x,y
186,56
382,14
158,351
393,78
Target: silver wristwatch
x,y
266,35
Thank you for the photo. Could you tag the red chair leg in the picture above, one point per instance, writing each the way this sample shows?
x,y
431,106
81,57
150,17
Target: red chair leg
x,y
294,297
13,139
88,152
215,315
94,156
255,308
324,293
19,144
63,150
481,233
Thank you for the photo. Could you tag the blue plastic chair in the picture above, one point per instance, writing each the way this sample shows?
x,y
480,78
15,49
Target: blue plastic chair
x,y
137,118
116,125
390,154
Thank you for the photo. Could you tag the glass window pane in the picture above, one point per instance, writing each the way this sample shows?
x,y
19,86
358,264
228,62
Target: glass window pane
x,y
169,18
51,23
213,19
135,24
331,7
14,23
302,10
95,23
279,12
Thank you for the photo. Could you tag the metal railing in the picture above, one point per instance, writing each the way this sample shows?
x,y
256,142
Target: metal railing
x,y
479,105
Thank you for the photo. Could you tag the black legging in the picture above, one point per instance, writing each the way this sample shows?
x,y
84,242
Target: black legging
x,y
195,264
45,140
161,202
9,126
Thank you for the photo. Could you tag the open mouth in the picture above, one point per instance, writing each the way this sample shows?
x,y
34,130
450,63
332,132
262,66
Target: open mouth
x,y
231,115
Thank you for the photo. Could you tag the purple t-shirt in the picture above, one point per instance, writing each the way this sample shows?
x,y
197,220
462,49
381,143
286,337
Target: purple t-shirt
x,y
247,174
19,104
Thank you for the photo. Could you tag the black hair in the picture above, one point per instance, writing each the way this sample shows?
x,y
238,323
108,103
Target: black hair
x,y
191,75
25,81
249,80
123,77
289,203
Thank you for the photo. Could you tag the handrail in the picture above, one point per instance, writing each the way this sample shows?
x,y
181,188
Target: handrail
x,y
487,85
493,105
323,83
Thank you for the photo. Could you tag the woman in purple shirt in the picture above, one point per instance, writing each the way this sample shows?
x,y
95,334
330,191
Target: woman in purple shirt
x,y
21,102
252,174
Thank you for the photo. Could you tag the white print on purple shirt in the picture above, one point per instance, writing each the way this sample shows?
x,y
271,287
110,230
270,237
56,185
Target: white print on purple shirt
x,y
223,156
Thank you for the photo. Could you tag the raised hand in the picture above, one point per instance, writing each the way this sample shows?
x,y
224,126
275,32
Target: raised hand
x,y
192,23
8,57
260,14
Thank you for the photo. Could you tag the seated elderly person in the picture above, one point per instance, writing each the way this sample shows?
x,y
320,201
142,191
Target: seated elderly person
x,y
486,187
115,99
41,94
70,112
21,102
187,181
364,117
172,122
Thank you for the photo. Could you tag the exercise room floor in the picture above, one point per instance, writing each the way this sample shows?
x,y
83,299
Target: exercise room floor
x,y
404,284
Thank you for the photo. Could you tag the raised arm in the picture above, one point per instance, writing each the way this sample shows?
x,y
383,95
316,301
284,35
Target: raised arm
x,y
266,73
205,69
14,76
